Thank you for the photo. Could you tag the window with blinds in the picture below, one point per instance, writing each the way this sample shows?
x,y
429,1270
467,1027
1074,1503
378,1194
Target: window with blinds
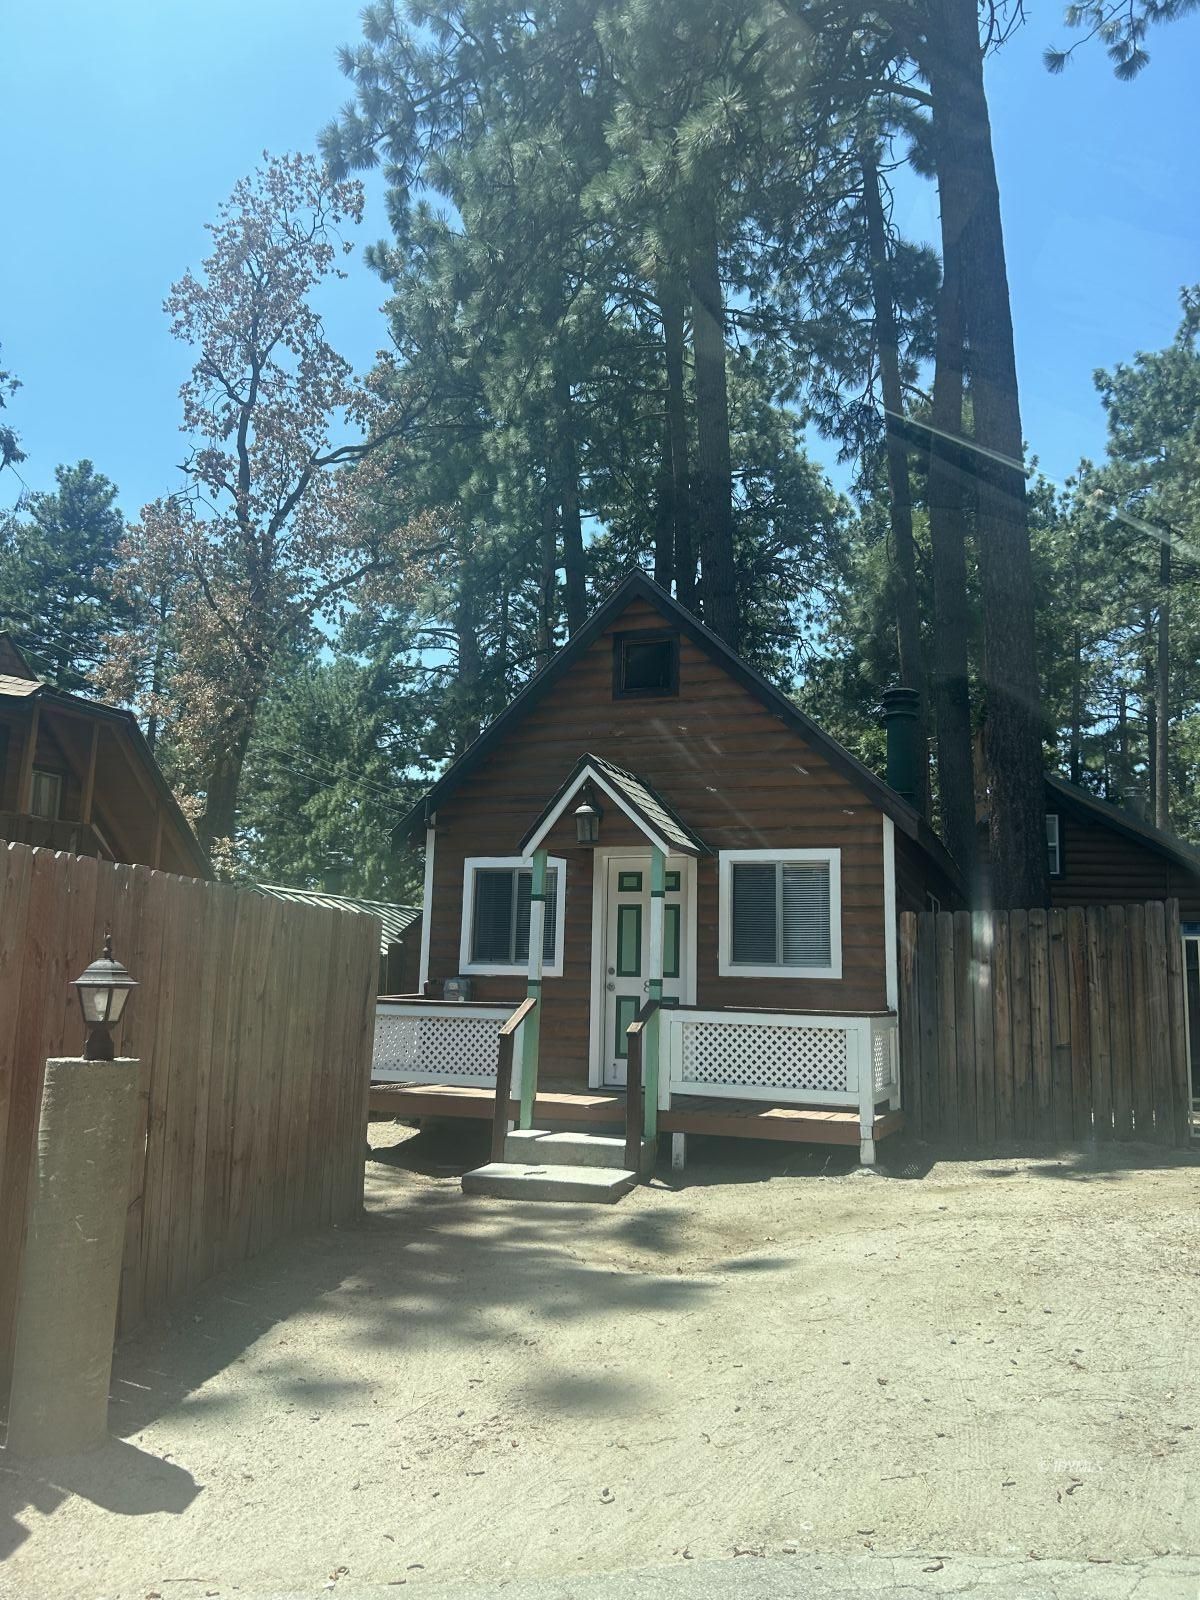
x,y
780,914
500,916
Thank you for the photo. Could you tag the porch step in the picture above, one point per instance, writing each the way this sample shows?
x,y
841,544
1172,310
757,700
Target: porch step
x,y
533,1146
523,1180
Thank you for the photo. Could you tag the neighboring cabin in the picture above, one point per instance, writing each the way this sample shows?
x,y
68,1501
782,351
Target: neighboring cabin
x,y
78,775
1101,854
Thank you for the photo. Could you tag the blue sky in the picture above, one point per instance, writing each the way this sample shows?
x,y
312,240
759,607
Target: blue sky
x,y
126,124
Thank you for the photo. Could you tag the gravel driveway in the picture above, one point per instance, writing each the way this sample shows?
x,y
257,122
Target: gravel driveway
x,y
777,1354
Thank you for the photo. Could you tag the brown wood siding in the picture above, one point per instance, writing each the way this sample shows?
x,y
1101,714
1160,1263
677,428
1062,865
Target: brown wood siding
x,y
917,878
1102,867
732,771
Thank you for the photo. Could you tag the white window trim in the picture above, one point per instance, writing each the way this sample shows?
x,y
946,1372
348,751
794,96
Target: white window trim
x,y
1056,870
725,964
58,787
491,969
427,905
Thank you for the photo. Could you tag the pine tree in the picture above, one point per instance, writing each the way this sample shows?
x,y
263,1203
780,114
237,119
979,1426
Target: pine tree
x,y
56,560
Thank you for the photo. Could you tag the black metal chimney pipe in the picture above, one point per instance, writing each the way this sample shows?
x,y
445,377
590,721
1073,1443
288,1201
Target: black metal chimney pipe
x,y
901,707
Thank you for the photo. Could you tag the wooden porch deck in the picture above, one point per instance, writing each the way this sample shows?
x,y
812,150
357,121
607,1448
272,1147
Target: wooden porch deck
x,y
736,1119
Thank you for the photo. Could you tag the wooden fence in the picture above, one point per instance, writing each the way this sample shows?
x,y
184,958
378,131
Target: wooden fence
x,y
1064,1025
253,1021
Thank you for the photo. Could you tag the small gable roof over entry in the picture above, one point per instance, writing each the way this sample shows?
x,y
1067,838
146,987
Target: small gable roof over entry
x,y
646,810
637,586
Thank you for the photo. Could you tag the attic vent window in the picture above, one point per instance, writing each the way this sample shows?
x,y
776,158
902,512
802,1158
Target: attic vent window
x,y
645,665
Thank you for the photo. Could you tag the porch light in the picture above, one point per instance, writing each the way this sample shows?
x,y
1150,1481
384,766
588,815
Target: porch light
x,y
103,990
587,818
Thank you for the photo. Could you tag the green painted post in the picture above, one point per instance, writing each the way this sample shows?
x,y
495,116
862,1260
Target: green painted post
x,y
658,889
532,1026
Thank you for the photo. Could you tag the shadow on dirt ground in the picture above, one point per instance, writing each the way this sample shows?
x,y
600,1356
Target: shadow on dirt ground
x,y
771,1347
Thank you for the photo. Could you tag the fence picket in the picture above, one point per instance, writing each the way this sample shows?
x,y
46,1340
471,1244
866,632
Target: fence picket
x,y
1181,1087
1120,1021
1098,1024
1002,1026
947,1028
1022,1041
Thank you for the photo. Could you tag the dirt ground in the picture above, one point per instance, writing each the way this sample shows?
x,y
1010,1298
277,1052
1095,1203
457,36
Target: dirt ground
x,y
772,1352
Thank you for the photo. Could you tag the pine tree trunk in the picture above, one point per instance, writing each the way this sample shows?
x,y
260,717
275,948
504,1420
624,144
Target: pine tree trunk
x,y
1162,690
1153,710
574,567
664,516
671,305
905,594
468,659
1076,752
549,566
713,476
947,526
1013,726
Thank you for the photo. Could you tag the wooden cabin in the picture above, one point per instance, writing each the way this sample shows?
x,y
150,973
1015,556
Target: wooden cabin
x,y
653,827
1105,855
78,775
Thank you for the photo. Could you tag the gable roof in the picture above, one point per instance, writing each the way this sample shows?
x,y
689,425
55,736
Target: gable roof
x,y
646,810
13,660
32,687
637,586
1093,809
394,918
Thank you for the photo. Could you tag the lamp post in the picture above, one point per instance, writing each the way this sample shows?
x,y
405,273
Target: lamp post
x,y
103,990
587,818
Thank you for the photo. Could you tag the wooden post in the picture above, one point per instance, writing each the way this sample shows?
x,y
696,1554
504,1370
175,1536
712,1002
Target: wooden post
x,y
658,881
633,1094
504,1066
89,782
28,755
533,989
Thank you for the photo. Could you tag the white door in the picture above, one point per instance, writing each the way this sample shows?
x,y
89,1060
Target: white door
x,y
626,950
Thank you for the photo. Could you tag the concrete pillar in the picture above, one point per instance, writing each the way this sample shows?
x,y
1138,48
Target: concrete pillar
x,y
71,1267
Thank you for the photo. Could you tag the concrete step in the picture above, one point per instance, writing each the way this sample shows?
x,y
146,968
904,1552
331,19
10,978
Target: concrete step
x,y
534,1146
523,1180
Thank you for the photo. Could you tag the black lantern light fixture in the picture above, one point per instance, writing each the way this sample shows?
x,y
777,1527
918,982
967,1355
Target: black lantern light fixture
x,y
587,818
103,990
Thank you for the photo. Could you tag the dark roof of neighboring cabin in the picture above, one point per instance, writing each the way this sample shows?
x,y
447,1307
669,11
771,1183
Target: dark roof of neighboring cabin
x,y
31,687
637,586
637,795
1124,822
13,660
396,919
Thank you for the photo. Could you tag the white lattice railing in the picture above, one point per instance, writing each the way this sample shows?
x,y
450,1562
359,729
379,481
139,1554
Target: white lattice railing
x,y
780,1056
421,1042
